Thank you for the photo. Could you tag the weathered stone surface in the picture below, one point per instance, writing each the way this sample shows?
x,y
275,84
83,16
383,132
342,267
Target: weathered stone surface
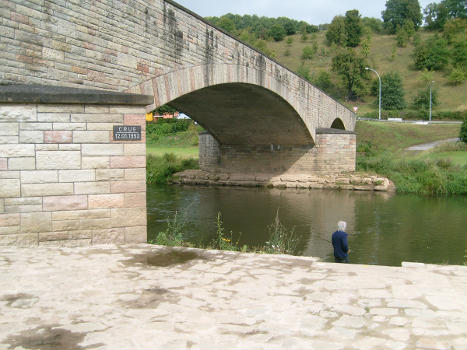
x,y
76,175
36,222
95,162
106,201
14,150
46,189
10,188
91,136
127,186
72,202
22,163
126,217
31,136
58,160
39,176
17,113
62,136
102,150
128,161
92,187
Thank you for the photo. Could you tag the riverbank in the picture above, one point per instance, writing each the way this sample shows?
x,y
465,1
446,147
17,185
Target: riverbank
x,y
343,181
109,297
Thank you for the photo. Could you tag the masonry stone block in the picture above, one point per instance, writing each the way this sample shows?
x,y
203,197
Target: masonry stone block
x,y
27,150
126,217
35,126
18,113
91,136
69,126
62,136
77,214
102,149
22,163
46,189
136,234
53,117
128,161
95,162
23,204
110,174
9,139
36,222
31,136
97,118
9,220
92,187
113,235
39,176
47,147
58,160
71,202
9,188
76,175
135,200
60,108
3,164
127,186
9,129
137,149
106,201
135,174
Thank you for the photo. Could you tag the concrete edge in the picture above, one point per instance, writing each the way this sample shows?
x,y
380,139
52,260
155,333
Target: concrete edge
x,y
46,94
334,131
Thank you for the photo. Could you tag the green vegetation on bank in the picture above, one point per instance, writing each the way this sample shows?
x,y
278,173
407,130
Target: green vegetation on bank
x,y
440,171
281,240
171,147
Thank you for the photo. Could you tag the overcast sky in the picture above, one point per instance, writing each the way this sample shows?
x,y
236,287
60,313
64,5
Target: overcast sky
x,y
311,11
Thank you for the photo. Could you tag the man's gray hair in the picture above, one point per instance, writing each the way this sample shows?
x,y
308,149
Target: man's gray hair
x,y
341,225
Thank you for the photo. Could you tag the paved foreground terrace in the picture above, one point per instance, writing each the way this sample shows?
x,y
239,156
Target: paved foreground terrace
x,y
152,297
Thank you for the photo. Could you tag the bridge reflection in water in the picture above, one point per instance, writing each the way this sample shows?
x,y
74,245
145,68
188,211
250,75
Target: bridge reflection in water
x,y
385,229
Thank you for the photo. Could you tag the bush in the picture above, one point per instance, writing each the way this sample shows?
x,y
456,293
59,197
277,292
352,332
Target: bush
x,y
422,99
307,53
431,54
456,77
392,92
160,169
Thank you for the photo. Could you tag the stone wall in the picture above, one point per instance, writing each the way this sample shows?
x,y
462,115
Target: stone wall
x,y
63,180
334,152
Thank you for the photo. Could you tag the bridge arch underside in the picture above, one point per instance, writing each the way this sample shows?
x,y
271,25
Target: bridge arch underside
x,y
250,130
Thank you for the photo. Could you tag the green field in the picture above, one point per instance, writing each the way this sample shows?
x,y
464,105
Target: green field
x,y
452,98
182,152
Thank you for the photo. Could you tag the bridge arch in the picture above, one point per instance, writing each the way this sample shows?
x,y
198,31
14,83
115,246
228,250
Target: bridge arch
x,y
338,124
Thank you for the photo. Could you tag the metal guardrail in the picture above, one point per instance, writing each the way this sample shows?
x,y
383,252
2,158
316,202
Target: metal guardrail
x,y
422,122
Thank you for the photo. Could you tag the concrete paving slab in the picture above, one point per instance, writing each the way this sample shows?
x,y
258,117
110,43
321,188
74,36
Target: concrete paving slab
x,y
153,297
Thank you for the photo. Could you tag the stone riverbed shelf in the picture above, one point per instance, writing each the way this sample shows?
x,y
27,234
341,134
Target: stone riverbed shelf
x,y
343,181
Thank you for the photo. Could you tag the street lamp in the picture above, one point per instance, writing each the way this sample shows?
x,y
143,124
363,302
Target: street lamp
x,y
379,110
431,83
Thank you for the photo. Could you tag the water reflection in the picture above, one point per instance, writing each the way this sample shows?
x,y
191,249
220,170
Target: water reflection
x,y
384,229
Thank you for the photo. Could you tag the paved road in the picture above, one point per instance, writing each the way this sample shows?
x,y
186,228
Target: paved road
x,y
150,297
427,146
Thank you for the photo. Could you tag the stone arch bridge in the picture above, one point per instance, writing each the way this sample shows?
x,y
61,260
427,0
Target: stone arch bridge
x,y
70,70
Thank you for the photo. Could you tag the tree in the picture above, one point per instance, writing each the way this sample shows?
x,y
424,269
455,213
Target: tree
x,y
375,24
436,16
351,68
422,99
323,81
392,92
336,31
459,54
307,53
456,8
431,54
226,23
277,32
353,28
397,11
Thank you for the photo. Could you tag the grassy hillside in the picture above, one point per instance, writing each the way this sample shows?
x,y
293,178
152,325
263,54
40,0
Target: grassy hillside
x,y
452,98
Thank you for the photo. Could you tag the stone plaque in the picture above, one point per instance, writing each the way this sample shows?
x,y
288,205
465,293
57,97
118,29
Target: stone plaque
x,y
127,133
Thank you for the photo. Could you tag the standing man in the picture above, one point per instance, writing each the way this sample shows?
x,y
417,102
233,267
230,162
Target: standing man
x,y
340,244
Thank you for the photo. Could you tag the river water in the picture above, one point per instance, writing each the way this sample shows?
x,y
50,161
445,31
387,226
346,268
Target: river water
x,y
384,229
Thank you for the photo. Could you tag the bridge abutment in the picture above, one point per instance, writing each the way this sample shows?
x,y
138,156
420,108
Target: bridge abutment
x,y
333,152
64,180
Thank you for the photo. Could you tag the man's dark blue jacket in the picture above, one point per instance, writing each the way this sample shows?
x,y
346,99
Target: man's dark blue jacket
x,y
339,242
